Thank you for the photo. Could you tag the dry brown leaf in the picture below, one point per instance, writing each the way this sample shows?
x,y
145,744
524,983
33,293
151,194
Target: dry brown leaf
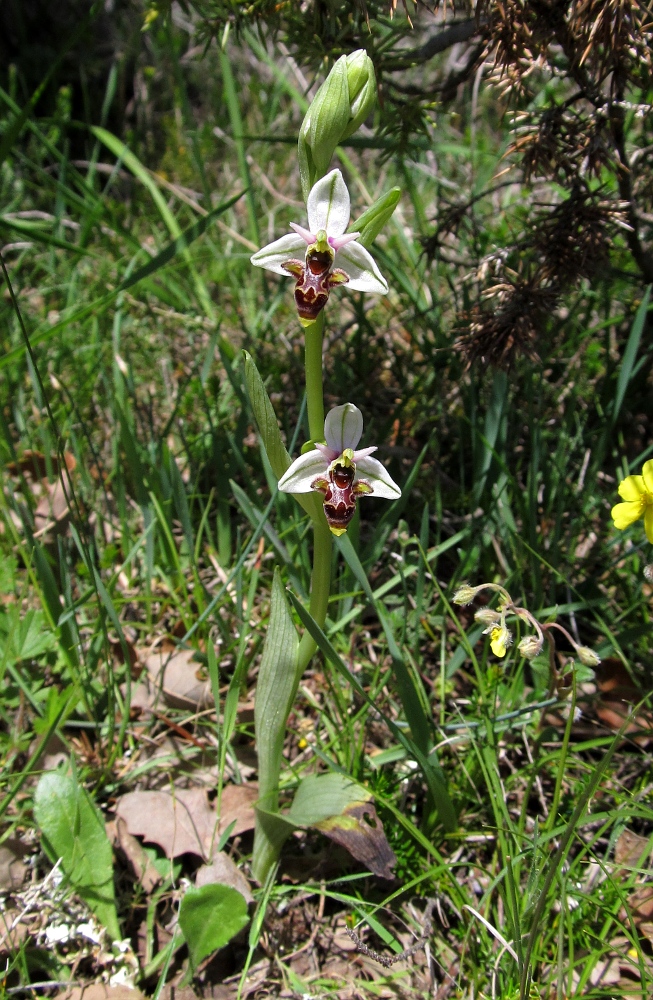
x,y
629,849
238,804
132,848
224,871
640,903
100,991
52,509
11,937
12,867
176,677
184,822
360,831
620,694
33,463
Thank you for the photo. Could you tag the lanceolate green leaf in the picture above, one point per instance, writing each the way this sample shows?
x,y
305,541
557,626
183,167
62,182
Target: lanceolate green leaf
x,y
275,691
72,829
278,678
265,419
268,428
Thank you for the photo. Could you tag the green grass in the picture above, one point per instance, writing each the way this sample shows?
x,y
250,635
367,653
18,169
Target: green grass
x,y
133,299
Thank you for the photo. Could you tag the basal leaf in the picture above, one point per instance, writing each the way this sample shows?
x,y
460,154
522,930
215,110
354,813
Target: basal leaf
x,y
72,829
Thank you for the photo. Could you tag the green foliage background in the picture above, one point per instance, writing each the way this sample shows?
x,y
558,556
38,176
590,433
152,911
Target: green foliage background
x,y
507,375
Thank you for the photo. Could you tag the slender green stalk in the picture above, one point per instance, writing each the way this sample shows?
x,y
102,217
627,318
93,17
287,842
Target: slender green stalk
x,y
270,723
313,365
320,589
322,537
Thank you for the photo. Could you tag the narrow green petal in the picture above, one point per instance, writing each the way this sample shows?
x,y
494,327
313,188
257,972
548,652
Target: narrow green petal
x,y
647,475
625,514
648,522
631,488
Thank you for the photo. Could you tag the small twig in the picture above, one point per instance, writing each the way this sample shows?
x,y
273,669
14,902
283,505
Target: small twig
x,y
383,960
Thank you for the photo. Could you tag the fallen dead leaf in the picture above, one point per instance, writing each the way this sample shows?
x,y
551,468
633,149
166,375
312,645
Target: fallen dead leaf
x,y
224,871
12,867
619,695
640,903
52,509
12,931
100,991
132,848
360,831
184,822
629,849
176,679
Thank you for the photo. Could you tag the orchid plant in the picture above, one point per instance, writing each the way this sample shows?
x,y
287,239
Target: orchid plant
x,y
332,469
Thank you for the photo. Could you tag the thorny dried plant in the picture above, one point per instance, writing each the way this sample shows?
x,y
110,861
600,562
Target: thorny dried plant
x,y
575,78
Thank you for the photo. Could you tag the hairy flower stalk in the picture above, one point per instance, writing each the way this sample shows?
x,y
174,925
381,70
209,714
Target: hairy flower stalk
x,y
530,646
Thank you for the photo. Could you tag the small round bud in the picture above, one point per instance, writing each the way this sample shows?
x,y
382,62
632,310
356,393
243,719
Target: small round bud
x,y
530,647
587,656
500,639
487,616
464,595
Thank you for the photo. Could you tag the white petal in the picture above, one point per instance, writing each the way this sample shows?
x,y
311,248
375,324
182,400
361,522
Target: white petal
x,y
275,254
307,237
382,483
329,454
299,476
343,427
328,205
364,275
364,452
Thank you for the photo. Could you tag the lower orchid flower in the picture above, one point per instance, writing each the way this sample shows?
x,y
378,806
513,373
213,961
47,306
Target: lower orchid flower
x,y
331,257
339,471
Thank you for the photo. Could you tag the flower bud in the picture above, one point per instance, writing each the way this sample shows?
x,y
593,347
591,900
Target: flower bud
x,y
487,616
464,595
530,647
371,222
340,106
587,656
500,639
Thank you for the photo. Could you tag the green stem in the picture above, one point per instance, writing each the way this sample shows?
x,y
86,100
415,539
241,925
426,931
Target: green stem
x,y
320,589
313,365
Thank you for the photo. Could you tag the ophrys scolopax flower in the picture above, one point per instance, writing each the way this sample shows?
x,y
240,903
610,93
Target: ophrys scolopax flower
x,y
339,471
331,256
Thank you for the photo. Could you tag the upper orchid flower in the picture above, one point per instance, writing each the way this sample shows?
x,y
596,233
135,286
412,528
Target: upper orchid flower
x,y
330,257
335,469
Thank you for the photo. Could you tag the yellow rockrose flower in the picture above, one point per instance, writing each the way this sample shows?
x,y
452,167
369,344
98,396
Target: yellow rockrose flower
x,y
637,492
500,639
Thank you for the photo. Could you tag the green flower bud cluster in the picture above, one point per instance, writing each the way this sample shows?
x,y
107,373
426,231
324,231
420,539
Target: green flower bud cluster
x,y
339,108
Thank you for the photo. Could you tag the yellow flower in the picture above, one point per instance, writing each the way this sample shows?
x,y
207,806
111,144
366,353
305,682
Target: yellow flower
x,y
637,491
500,639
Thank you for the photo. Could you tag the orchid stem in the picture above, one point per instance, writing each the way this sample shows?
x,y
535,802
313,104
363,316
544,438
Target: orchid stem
x,y
320,590
313,364
322,539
